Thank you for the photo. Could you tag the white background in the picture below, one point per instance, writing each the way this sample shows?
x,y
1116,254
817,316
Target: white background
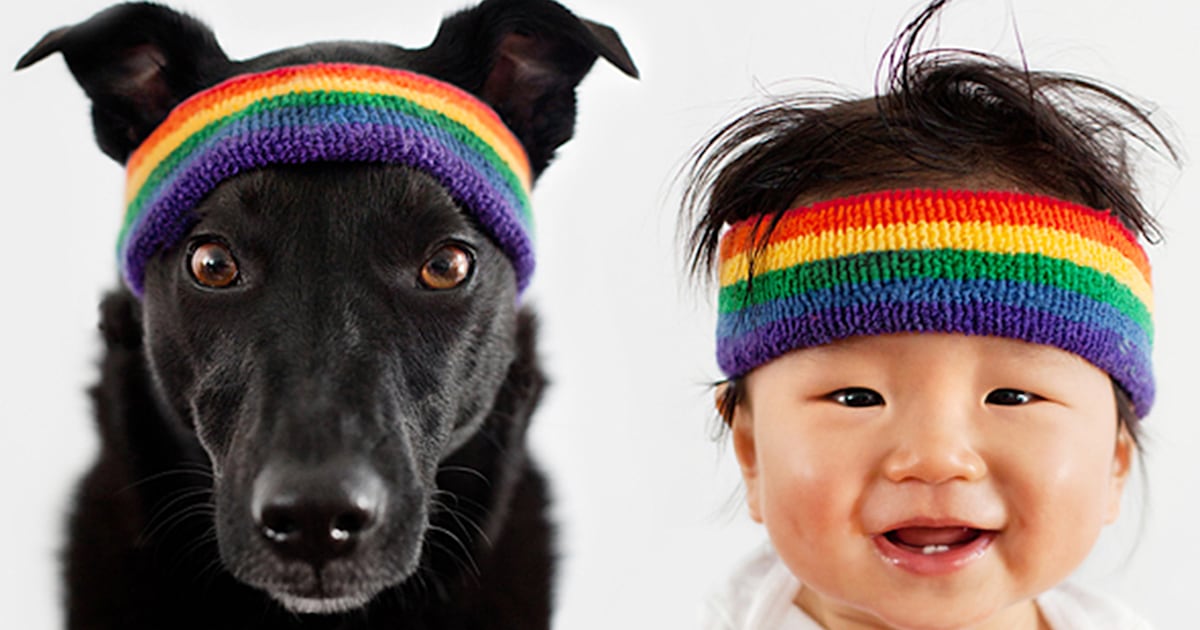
x,y
648,503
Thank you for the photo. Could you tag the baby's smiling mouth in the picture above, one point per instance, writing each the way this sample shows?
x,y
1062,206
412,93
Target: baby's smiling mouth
x,y
933,549
931,540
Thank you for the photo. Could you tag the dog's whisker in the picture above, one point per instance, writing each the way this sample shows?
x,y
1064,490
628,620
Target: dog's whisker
x,y
169,525
481,511
210,571
419,581
169,529
472,516
437,584
182,493
206,538
467,470
468,568
467,556
199,470
166,514
212,568
464,522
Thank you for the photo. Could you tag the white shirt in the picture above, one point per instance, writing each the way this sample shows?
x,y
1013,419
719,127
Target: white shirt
x,y
760,597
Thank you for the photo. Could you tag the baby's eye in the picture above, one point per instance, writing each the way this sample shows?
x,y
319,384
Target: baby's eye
x,y
857,397
1010,397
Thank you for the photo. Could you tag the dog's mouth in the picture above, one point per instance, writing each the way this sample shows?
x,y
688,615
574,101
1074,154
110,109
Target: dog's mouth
x,y
318,594
338,587
320,605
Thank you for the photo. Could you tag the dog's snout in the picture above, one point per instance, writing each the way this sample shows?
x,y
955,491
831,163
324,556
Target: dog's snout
x,y
316,514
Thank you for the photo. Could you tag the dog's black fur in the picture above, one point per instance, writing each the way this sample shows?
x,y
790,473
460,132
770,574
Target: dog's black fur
x,y
327,372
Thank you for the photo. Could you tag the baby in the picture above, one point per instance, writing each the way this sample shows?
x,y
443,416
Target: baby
x,y
935,320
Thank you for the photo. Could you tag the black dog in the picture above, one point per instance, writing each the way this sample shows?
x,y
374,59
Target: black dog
x,y
339,439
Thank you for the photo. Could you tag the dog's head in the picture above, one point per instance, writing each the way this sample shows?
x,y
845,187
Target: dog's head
x,y
331,330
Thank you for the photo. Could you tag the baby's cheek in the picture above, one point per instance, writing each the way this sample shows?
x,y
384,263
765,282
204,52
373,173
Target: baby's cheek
x,y
808,500
1054,520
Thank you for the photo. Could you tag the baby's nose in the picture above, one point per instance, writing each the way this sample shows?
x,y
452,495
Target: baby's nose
x,y
934,449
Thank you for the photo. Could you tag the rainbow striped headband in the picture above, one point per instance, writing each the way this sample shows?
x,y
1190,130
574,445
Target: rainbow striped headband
x,y
326,113
1004,264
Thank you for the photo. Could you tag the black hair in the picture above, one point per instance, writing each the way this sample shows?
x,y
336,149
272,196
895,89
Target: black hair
x,y
940,117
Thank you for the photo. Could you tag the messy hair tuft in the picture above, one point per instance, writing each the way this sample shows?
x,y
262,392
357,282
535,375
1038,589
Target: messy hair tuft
x,y
939,118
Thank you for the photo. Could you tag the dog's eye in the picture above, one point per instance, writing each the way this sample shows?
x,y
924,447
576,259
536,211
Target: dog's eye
x,y
447,268
213,265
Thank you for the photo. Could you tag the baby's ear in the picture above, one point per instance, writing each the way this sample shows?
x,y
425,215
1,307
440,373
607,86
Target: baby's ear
x,y
1121,465
741,424
722,403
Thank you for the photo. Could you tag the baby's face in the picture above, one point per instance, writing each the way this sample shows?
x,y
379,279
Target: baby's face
x,y
931,480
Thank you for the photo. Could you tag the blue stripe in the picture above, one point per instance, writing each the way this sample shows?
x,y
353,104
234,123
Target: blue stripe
x,y
952,294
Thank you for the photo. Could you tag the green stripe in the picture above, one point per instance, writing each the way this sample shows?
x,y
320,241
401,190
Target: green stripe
x,y
395,103
951,264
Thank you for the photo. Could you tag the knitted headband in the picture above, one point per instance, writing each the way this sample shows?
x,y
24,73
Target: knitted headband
x,y
1003,264
325,113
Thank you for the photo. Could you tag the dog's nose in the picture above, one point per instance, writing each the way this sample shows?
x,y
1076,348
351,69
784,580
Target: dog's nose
x,y
317,513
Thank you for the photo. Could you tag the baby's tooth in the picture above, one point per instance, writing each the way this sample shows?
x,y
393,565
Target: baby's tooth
x,y
932,549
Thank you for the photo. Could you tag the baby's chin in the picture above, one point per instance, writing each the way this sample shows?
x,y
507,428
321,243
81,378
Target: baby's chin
x,y
919,613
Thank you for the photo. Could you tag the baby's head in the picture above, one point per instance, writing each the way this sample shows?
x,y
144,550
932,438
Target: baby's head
x,y
935,320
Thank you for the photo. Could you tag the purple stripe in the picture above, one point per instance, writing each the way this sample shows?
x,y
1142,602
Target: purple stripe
x,y
1119,357
169,218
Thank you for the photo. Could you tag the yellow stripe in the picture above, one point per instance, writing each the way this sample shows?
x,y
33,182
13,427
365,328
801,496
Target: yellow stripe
x,y
303,84
973,236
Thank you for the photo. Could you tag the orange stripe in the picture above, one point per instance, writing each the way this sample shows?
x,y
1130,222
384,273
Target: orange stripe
x,y
889,208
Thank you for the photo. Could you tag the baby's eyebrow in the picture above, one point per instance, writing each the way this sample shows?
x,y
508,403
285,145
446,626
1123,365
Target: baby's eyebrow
x,y
1017,351
854,348
1027,352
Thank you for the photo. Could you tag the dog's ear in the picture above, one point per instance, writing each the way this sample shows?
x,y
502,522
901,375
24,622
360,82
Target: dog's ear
x,y
524,58
136,62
